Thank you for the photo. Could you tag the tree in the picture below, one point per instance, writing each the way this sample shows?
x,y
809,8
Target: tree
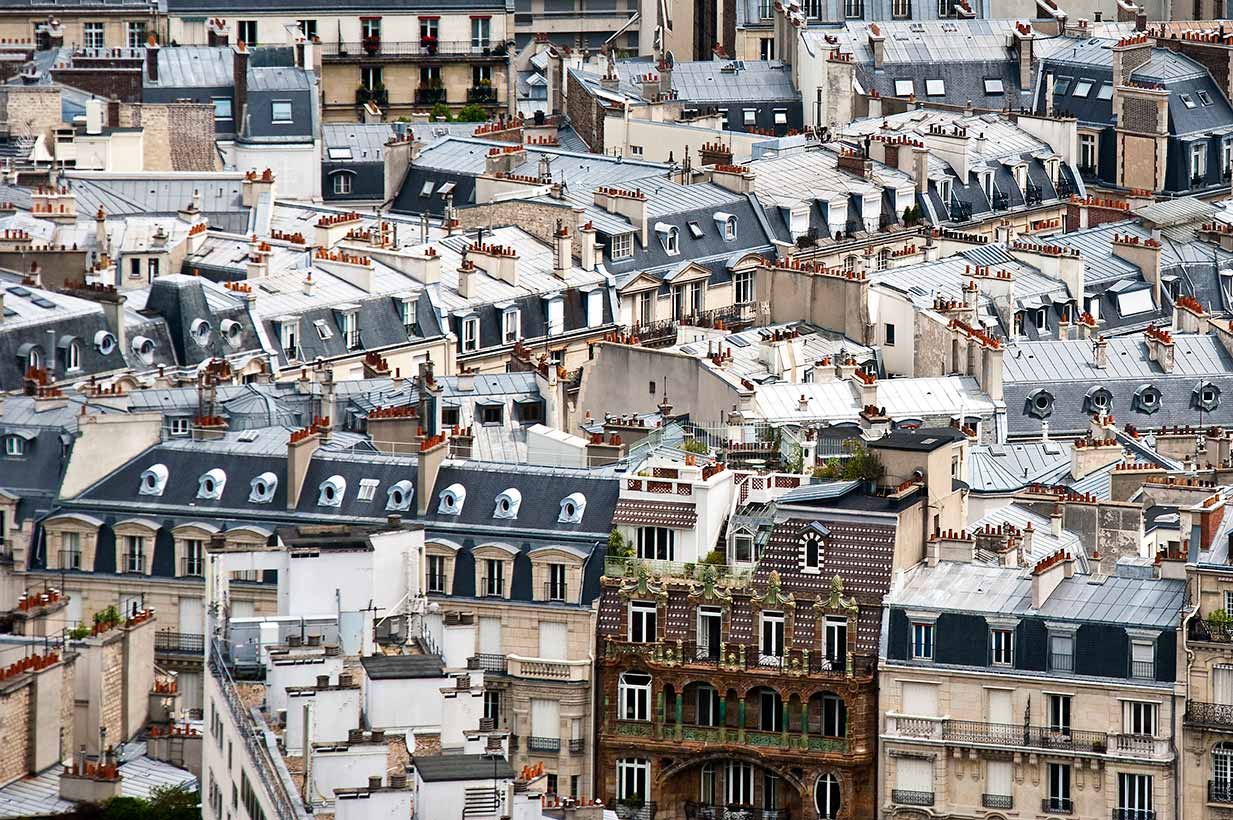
x,y
618,547
693,445
441,112
472,113
860,465
175,803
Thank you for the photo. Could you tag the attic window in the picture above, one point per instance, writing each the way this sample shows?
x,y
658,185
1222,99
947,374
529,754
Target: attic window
x,y
398,497
446,188
323,329
201,332
1187,100
1082,89
1105,92
811,552
426,191
781,116
1147,399
232,332
105,342
452,499
572,507
1061,85
1099,400
994,86
144,348
727,225
1207,396
695,230
14,446
935,88
669,235
332,491
262,488
339,153
1204,97
508,503
1040,403
367,490
153,480
904,88
210,485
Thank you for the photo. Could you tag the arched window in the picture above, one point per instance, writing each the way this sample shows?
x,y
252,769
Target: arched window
x,y
634,695
884,259
826,797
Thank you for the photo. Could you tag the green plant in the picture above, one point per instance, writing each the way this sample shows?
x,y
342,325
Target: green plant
x,y
440,112
715,558
795,461
618,547
108,617
78,633
472,113
860,465
1220,616
693,445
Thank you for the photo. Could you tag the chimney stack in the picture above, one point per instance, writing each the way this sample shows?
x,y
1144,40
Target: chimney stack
x,y
239,81
152,59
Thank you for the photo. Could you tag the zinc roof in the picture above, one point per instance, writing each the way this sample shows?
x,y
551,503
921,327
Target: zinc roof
x,y
1127,358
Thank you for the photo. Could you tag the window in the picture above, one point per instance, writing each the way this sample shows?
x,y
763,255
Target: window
x,y
1187,100
1002,647
621,246
556,583
222,108
481,75
889,335
308,27
481,32
152,268
1222,772
194,557
904,88
1134,796
342,184
1105,92
994,86
656,543
137,34
780,116
429,28
739,780
901,8
710,624
766,51
836,637
1042,319
430,75
247,32
372,76
510,329
672,241
743,548
1143,660
1082,89
370,27
749,116
633,779
92,35
834,716
351,329
178,425
287,333
854,9
1087,152
826,797
707,698
1058,713
1058,788
494,578
1061,85
1204,97
1138,718
492,414
772,636
634,696
922,641
134,553
436,573
742,282
913,778
470,335
811,543
935,88
645,307
492,706
1198,161
642,626
280,111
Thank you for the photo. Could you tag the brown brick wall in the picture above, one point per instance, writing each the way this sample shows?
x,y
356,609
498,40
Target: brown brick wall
x,y
537,219
1139,115
15,729
35,106
67,708
111,710
179,137
585,115
121,83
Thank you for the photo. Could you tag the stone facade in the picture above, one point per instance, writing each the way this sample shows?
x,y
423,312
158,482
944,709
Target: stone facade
x,y
35,107
178,136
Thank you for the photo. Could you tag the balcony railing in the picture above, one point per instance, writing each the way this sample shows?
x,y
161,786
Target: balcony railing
x,y
906,797
554,591
429,96
1210,714
134,562
548,669
1143,670
1141,745
1134,814
179,643
1215,631
543,744
192,565
997,734
364,94
482,95
640,810
1057,805
492,587
1220,791
736,657
714,811
577,745
497,664
630,567
70,559
1061,662
731,735
389,49
997,801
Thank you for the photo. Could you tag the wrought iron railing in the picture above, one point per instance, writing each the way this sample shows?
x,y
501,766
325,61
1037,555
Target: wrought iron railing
x,y
716,811
1134,814
1212,714
488,662
482,95
543,744
429,96
1057,805
907,797
192,565
492,587
70,559
577,744
999,734
1061,662
997,801
1214,631
133,562
1220,791
1143,670
554,591
730,656
182,643
427,47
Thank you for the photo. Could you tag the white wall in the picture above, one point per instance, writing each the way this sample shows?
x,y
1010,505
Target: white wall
x,y
297,168
302,672
446,798
347,768
334,713
381,805
405,704
460,712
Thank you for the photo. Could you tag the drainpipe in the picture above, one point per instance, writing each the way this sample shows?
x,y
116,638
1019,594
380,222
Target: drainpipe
x,y
1178,769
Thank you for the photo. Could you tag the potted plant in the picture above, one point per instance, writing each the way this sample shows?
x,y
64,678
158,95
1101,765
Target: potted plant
x,y
372,44
430,43
362,94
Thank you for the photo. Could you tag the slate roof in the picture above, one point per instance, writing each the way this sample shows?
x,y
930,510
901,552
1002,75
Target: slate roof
x,y
163,195
976,588
402,667
365,141
233,7
442,768
716,81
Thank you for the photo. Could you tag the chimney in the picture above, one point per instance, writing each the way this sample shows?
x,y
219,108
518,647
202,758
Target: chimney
x,y
920,168
1100,352
498,261
1160,347
563,258
239,81
300,448
1048,574
152,59
588,249
424,265
100,233
1024,37
630,204
877,44
1055,521
433,451
466,277
94,116
1128,55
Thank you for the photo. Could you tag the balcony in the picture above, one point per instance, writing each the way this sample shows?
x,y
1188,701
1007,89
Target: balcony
x,y
630,567
1211,631
1057,805
678,733
549,669
495,664
635,810
997,801
168,642
555,591
713,811
997,734
905,797
544,744
482,95
378,95
577,745
1141,746
736,658
1220,791
1134,814
429,96
1217,715
1061,662
1143,670
427,48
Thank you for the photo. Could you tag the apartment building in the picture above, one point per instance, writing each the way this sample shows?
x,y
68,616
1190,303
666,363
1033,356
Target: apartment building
x,y
1030,688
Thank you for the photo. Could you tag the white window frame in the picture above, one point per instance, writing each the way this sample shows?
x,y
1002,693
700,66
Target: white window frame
x,y
94,34
645,616
633,773
511,326
621,246
634,696
342,184
923,640
1002,647
470,334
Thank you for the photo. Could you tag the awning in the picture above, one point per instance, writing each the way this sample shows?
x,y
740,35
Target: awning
x,y
675,514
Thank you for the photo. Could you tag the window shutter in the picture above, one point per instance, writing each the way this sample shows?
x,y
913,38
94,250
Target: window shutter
x,y
1222,684
914,775
920,699
1000,710
552,640
490,636
545,718
998,778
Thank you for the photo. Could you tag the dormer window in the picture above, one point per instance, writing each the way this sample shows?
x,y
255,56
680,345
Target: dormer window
x,y
210,485
33,356
508,503
470,334
511,325
261,488
200,330
70,354
144,348
331,491
812,544
727,226
1147,399
104,342
14,446
153,480
398,497
232,332
451,500
944,190
288,337
572,507
1099,400
669,237
1040,403
1207,396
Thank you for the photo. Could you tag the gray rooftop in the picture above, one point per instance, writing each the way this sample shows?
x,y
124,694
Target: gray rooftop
x,y
443,768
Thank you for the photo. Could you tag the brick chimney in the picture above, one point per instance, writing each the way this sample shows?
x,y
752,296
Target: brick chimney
x,y
239,81
1160,347
300,448
563,245
877,44
1048,574
152,59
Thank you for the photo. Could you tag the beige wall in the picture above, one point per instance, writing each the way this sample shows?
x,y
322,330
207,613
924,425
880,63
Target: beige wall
x,y
17,26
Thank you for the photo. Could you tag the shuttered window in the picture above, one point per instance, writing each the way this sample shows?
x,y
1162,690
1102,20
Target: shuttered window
x,y
552,640
490,636
920,699
545,718
998,778
914,775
